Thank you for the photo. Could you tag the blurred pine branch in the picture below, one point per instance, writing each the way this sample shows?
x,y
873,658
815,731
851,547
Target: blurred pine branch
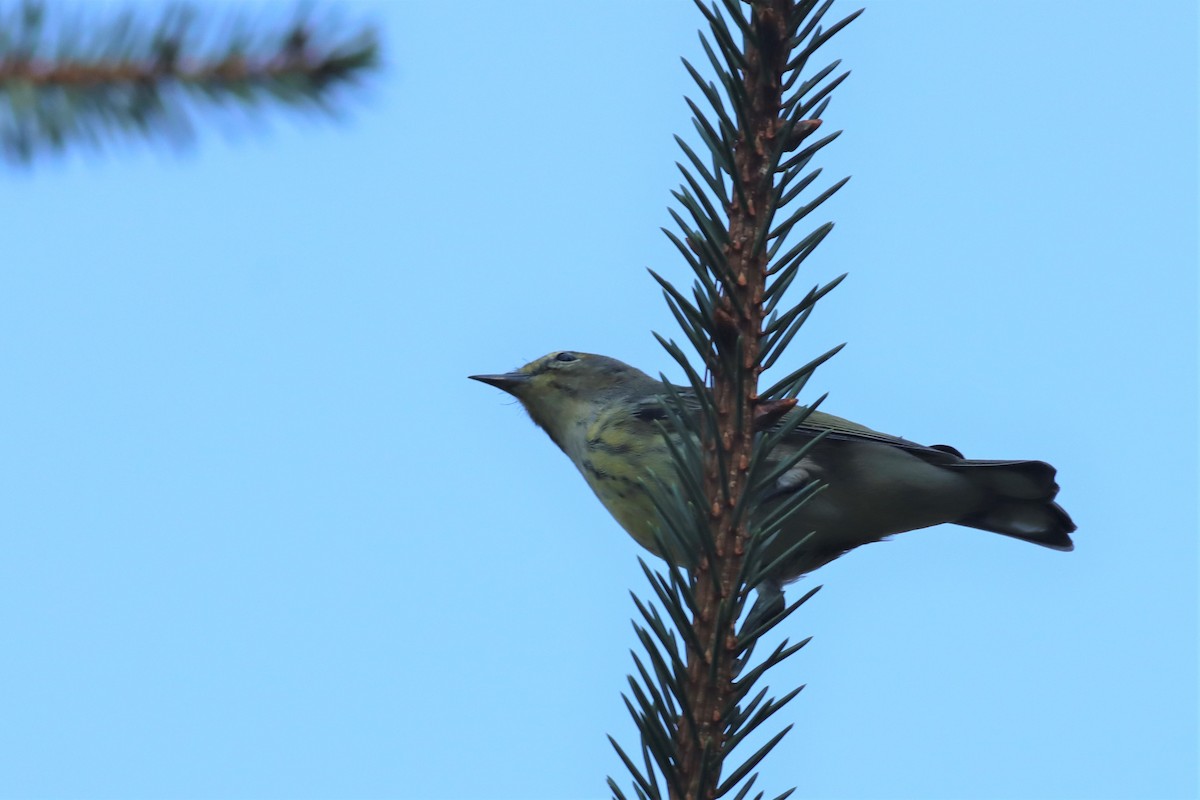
x,y
67,83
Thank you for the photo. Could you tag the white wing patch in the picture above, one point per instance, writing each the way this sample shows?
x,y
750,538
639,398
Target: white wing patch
x,y
805,471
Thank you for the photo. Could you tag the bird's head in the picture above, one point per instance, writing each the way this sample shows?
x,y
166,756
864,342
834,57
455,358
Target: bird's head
x,y
565,389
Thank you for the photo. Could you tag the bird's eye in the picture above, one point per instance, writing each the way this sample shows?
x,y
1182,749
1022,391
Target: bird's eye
x,y
566,357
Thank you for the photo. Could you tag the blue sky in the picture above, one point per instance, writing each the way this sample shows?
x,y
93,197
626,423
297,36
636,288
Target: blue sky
x,y
264,540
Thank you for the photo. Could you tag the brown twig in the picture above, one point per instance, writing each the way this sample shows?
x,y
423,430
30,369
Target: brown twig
x,y
741,308
101,72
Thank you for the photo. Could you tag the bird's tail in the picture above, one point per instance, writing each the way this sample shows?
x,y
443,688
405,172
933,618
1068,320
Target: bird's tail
x,y
1020,502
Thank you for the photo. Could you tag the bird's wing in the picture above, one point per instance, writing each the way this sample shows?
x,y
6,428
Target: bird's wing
x,y
835,428
843,430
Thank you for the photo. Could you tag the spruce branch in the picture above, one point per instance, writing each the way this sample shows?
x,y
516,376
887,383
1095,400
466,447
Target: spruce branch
x,y
736,209
67,83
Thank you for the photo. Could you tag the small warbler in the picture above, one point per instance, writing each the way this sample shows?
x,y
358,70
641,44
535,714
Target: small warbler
x,y
605,415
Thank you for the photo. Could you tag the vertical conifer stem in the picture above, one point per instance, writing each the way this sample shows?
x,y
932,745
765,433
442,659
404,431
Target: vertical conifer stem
x,y
734,368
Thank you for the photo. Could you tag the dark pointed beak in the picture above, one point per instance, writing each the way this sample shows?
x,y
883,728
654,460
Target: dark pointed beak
x,y
509,382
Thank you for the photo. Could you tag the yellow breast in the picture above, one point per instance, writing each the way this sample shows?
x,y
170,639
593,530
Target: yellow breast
x,y
620,456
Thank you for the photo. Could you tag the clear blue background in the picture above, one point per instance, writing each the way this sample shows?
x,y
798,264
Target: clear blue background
x,y
262,538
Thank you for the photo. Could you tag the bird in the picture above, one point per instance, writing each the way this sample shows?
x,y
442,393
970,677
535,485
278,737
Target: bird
x,y
607,417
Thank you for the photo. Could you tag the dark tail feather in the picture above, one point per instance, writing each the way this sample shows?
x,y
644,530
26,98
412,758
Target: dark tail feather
x,y
1044,523
1022,504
